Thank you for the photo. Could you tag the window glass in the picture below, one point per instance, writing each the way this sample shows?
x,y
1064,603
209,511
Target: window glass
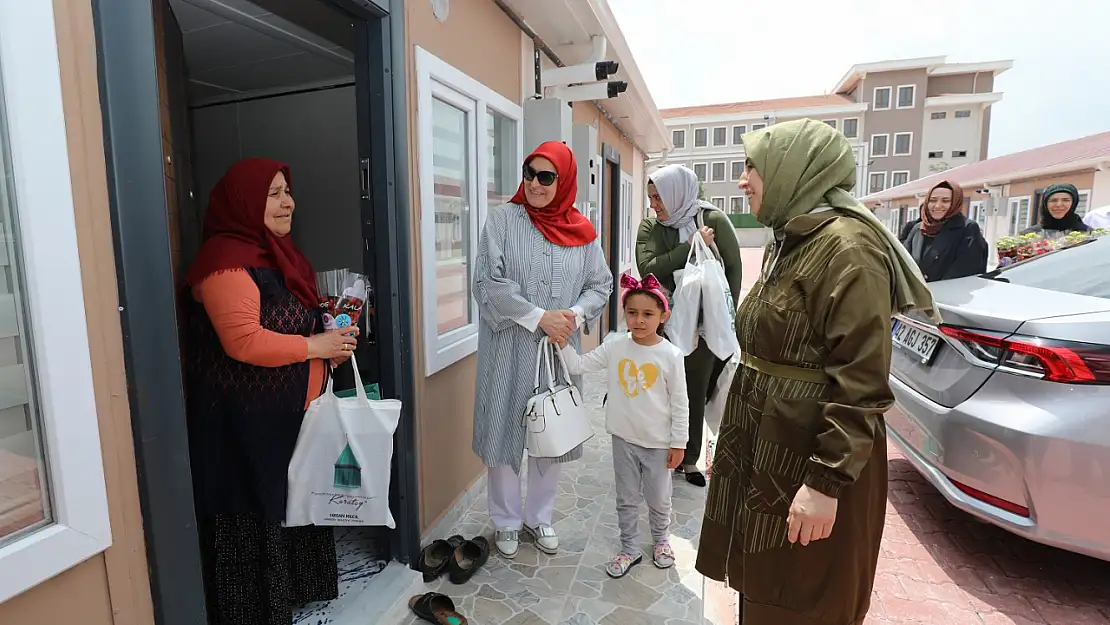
x,y
963,114
678,138
700,170
898,179
737,133
720,136
882,98
758,127
879,145
850,128
940,115
878,183
453,240
1056,271
718,172
719,202
737,170
24,487
905,97
902,143
738,204
831,122
701,137
503,176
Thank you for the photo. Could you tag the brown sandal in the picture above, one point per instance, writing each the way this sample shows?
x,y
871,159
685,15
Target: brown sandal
x,y
436,608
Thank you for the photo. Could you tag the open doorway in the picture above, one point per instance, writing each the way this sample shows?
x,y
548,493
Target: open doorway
x,y
286,80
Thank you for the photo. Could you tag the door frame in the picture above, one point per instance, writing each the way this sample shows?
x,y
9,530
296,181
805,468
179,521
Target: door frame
x,y
130,108
612,184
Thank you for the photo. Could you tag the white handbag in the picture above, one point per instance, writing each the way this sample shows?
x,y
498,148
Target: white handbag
x,y
555,417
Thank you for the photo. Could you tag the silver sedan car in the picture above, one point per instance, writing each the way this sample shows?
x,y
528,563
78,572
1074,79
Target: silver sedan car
x,y
1005,407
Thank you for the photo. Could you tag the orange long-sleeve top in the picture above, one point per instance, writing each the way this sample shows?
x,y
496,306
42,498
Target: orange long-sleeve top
x,y
233,304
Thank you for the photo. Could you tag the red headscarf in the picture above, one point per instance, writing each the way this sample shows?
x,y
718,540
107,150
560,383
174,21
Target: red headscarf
x,y
236,237
559,222
929,226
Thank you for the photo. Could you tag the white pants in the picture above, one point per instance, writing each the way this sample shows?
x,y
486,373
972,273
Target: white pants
x,y
506,509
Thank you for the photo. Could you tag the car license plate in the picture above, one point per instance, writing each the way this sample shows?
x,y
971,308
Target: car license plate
x,y
920,343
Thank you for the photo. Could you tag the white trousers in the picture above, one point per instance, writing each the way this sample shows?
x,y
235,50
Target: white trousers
x,y
506,508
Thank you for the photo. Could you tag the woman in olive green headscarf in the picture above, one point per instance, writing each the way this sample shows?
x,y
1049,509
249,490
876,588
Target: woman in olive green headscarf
x,y
798,496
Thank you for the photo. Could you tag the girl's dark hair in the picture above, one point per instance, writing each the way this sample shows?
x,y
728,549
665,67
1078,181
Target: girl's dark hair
x,y
654,297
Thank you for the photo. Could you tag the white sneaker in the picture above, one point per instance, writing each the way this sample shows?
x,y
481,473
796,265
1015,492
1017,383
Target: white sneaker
x,y
507,542
545,537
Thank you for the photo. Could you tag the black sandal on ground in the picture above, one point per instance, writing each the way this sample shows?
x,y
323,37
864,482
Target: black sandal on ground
x,y
434,607
467,559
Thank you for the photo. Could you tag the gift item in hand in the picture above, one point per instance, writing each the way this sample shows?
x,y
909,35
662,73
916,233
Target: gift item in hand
x,y
343,294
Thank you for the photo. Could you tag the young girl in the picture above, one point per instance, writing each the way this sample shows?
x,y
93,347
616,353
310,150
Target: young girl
x,y
647,413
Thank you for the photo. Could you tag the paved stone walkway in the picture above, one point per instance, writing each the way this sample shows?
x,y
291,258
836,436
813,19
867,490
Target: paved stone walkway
x,y
572,587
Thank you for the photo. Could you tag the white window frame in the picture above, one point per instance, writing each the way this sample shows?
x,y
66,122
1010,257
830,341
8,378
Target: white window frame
x,y
831,122
894,144
707,139
1084,195
875,99
895,216
958,116
843,122
724,177
895,173
681,131
73,461
629,238
913,99
694,168
731,171
761,126
713,137
1013,205
437,78
913,213
871,146
870,187
975,211
744,131
743,204
723,204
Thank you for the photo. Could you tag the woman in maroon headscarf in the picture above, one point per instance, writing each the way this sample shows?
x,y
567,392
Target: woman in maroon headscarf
x,y
945,244
539,271
256,356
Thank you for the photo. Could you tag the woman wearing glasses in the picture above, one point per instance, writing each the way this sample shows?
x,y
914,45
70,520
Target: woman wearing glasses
x,y
539,271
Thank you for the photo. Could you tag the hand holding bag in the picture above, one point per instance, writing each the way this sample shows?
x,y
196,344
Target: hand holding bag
x,y
339,473
555,418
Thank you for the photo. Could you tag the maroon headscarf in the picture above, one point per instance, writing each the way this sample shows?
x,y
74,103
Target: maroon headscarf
x,y
929,226
559,222
236,236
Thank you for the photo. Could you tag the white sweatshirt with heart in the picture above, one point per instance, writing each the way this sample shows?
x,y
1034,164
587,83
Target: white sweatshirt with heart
x,y
647,403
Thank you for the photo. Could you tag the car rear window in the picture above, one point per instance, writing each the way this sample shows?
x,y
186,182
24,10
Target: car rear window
x,y
1081,270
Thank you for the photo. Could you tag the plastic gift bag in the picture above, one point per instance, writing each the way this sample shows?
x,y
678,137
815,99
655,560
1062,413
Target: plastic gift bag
x,y
719,311
682,328
339,474
715,408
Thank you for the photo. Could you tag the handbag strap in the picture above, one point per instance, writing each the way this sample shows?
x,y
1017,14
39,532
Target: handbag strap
x,y
562,366
539,363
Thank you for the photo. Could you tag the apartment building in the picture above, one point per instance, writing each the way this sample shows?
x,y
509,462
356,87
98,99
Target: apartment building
x,y
905,119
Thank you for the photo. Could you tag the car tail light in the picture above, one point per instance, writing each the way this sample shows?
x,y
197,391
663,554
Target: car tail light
x,y
1055,361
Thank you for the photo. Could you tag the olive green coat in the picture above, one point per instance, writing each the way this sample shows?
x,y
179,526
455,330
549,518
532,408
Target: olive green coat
x,y
806,408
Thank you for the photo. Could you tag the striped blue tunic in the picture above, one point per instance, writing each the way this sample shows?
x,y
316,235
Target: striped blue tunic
x,y
516,271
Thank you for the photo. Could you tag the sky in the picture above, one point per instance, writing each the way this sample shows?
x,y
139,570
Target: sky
x,y
709,51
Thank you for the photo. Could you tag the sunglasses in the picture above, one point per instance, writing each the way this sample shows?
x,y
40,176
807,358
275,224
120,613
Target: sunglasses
x,y
546,178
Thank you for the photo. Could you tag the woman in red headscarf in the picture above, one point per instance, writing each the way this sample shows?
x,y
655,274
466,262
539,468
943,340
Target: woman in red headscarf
x,y
255,358
945,244
539,271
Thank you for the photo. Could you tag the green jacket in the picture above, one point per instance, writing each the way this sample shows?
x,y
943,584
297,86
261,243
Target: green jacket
x,y
659,252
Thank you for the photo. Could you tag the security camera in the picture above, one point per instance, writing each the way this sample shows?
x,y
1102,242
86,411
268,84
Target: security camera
x,y
578,74
594,91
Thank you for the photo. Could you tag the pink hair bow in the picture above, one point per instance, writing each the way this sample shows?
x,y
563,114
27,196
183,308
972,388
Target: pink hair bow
x,y
649,283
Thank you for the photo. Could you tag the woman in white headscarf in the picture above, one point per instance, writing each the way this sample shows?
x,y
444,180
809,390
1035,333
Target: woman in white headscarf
x,y
662,246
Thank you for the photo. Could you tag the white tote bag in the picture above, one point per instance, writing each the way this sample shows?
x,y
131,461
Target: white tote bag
x,y
682,328
555,418
339,474
719,312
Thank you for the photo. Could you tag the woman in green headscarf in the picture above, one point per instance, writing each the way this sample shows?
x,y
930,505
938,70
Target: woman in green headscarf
x,y
798,496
